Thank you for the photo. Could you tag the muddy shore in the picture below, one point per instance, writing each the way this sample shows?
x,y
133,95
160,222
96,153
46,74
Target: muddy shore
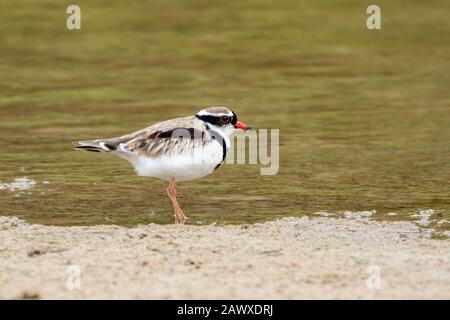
x,y
293,258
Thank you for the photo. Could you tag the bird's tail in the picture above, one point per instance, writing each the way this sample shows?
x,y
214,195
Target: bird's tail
x,y
94,146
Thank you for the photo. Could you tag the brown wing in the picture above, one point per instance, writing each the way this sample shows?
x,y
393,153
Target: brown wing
x,y
173,136
176,135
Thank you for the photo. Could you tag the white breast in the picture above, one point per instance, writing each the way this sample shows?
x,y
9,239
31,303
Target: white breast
x,y
191,164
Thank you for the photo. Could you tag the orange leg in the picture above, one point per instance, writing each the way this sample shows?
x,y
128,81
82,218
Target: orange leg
x,y
172,193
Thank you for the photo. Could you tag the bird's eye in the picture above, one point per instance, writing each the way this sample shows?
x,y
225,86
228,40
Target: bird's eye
x,y
225,119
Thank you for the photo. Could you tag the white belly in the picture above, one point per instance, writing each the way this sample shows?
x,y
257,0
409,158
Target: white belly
x,y
189,165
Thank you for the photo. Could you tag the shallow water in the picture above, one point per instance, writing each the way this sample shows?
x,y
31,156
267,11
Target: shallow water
x,y
363,116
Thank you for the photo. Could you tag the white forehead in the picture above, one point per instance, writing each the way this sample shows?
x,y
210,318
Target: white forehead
x,y
216,111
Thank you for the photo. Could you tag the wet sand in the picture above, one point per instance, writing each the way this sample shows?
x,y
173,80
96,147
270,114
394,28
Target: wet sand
x,y
293,258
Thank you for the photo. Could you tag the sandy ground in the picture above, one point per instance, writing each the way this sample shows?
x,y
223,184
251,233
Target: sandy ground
x,y
298,258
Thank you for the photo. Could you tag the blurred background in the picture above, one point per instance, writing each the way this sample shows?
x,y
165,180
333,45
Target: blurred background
x,y
364,115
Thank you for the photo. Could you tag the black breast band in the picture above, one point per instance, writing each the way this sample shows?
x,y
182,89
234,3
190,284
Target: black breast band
x,y
219,139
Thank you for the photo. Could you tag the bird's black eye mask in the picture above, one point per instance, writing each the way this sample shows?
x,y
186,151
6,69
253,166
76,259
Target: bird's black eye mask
x,y
218,120
233,119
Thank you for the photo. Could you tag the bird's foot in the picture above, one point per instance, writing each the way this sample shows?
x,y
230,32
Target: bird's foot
x,y
180,218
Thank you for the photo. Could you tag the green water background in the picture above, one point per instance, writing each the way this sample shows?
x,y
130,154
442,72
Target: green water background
x,y
364,116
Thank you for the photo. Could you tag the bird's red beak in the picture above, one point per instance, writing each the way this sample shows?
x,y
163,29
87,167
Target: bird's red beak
x,y
243,126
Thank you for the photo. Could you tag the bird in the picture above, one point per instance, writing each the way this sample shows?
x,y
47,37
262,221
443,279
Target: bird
x,y
176,150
